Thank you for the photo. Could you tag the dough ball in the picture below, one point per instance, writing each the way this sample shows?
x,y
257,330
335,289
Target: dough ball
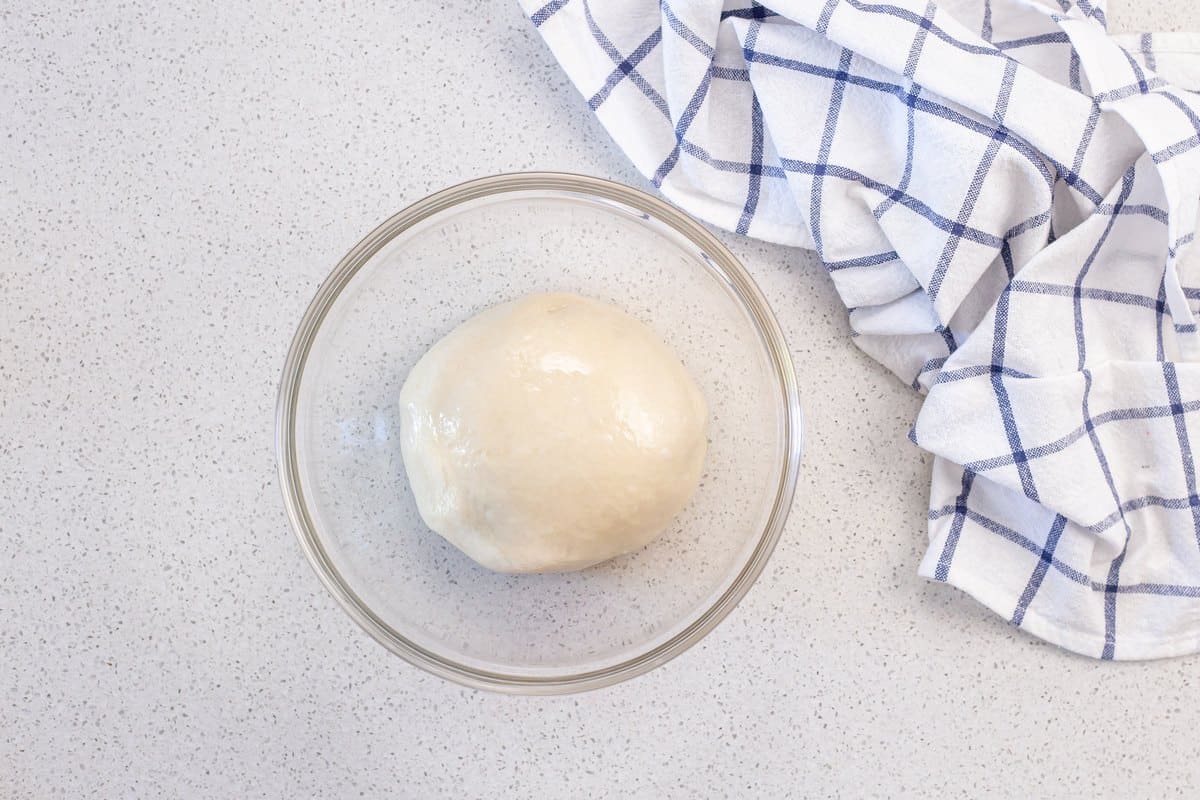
x,y
551,433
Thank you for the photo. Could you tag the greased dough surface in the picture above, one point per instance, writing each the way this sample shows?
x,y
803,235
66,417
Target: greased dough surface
x,y
551,433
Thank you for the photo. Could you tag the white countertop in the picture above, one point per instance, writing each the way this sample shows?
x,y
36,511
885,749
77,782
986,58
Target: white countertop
x,y
175,180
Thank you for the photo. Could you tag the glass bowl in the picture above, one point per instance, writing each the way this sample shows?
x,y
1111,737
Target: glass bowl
x,y
415,278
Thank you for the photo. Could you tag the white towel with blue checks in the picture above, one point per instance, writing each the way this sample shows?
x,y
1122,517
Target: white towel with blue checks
x,y
1005,198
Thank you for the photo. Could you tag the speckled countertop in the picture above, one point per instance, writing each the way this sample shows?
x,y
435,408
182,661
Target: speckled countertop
x,y
175,180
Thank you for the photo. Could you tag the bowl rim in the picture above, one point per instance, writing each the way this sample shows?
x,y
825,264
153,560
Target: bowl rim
x,y
556,182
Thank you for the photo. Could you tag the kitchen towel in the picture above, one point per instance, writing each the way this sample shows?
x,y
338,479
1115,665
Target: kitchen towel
x,y
1005,198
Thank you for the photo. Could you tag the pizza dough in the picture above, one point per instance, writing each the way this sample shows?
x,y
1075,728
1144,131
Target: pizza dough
x,y
551,433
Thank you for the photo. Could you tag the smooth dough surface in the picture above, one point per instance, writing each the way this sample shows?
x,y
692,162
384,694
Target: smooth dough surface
x,y
550,433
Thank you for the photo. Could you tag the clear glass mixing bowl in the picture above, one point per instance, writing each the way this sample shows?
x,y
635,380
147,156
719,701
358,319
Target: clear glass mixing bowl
x,y
410,282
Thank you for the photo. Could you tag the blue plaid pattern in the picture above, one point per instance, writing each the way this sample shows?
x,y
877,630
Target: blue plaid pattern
x,y
1005,198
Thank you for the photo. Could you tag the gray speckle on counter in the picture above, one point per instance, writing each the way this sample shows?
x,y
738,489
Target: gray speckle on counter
x,y
175,181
